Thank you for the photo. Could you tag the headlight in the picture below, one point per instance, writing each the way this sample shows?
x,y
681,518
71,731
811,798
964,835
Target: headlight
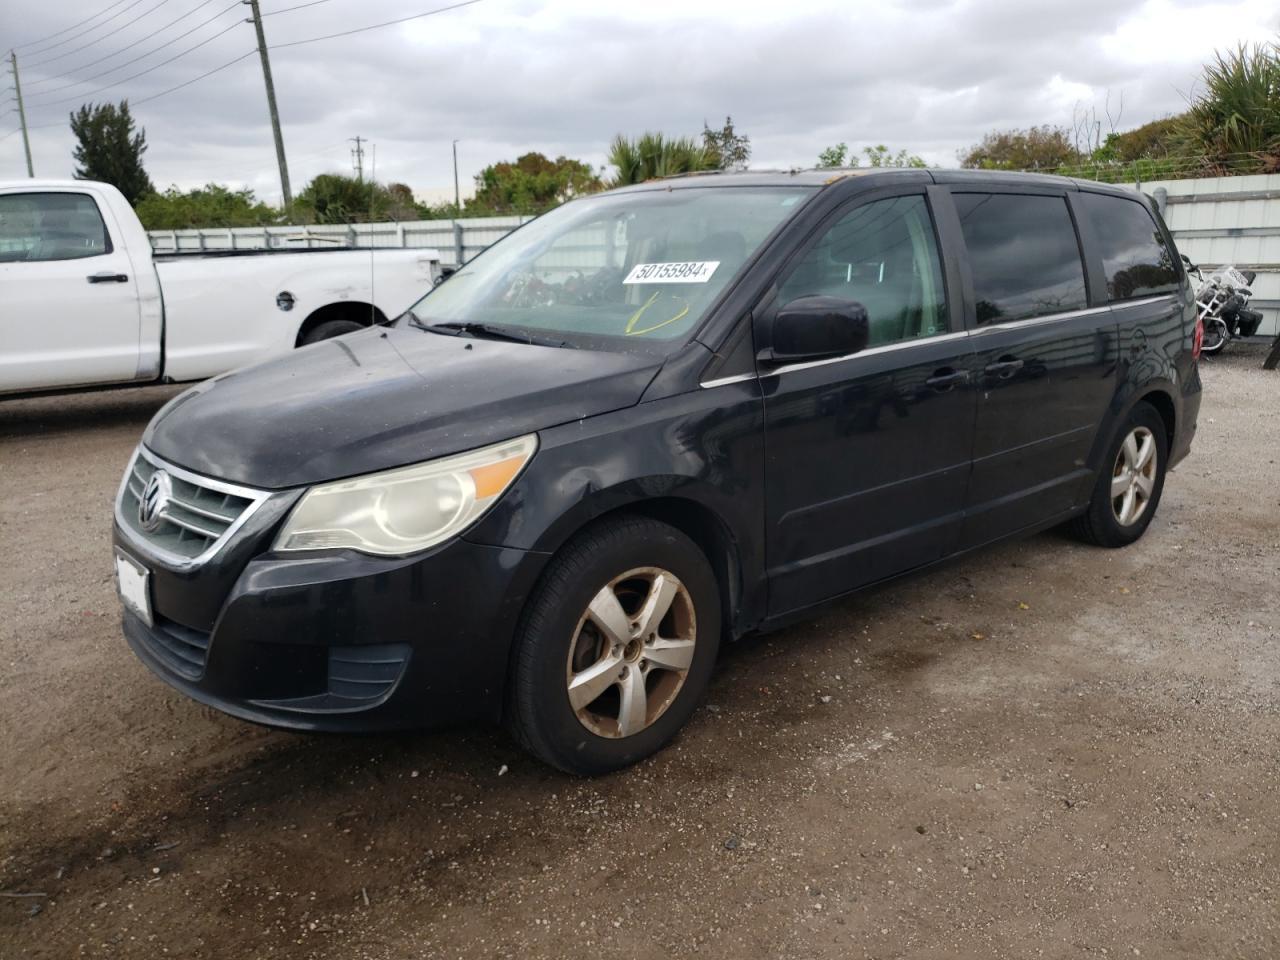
x,y
407,509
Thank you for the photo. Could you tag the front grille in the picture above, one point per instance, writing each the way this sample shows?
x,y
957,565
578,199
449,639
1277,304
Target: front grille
x,y
196,518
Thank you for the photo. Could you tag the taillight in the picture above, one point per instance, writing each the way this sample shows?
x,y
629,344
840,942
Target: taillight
x,y
1197,339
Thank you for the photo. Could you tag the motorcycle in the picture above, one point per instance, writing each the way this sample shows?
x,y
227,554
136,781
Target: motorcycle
x,y
1222,304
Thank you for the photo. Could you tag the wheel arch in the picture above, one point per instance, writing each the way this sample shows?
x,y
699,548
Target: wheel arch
x,y
697,520
702,524
1157,394
364,313
1164,405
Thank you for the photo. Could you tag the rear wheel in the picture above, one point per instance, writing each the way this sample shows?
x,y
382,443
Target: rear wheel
x,y
616,647
330,329
1128,488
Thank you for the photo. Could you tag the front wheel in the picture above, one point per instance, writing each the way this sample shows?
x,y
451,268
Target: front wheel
x,y
1216,336
616,647
1129,485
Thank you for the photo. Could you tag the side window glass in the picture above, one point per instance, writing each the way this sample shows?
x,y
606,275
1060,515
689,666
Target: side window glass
x,y
1136,260
884,255
1023,254
50,226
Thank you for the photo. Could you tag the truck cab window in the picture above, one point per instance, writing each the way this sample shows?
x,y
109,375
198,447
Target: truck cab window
x,y
50,226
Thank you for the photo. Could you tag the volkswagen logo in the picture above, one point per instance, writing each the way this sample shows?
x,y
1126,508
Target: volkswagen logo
x,y
155,498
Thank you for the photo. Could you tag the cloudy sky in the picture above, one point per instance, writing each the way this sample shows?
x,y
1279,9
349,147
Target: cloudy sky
x,y
563,76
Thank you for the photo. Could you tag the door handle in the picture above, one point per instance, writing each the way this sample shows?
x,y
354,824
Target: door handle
x,y
1004,367
946,378
108,277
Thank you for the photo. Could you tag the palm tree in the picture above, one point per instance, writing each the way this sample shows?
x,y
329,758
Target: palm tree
x,y
655,155
1235,123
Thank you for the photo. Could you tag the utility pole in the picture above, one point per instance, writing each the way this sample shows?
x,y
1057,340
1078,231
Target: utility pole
x,y
22,113
357,157
457,203
256,20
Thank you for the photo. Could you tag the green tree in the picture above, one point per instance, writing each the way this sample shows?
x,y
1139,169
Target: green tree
x,y
531,185
1234,123
108,148
438,211
879,156
731,149
212,205
338,198
1151,141
653,155
400,204
836,156
1036,148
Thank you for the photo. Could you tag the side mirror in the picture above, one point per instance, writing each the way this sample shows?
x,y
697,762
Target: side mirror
x,y
1187,260
814,328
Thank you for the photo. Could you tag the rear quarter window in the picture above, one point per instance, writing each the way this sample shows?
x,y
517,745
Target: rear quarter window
x,y
1023,253
1135,257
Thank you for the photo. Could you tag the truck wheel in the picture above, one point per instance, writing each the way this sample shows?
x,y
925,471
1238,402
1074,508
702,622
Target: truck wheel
x,y
616,647
330,329
1129,484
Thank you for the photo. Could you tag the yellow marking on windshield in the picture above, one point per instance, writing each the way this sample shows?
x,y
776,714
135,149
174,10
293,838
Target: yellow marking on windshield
x,y
630,329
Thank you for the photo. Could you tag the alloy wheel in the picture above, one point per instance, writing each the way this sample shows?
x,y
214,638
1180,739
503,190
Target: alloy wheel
x,y
631,652
1133,478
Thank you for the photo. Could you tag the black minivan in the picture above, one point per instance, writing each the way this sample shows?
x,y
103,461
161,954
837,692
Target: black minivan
x,y
646,421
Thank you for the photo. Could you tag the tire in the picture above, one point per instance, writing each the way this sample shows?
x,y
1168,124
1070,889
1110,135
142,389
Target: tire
x,y
1216,336
330,329
584,694
1112,519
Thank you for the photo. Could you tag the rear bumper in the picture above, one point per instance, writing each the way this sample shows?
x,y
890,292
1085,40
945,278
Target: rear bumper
x,y
344,642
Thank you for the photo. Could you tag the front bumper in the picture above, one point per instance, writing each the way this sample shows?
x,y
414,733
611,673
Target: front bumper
x,y
339,641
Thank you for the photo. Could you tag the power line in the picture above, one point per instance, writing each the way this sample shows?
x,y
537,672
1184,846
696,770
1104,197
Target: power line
x,y
143,56
32,43
301,6
142,73
76,36
210,73
375,26
94,63
110,33
39,126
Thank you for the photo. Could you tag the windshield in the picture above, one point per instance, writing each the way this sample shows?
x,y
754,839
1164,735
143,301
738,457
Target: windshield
x,y
623,271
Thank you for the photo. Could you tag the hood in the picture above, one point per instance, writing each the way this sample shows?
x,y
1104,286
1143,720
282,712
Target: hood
x,y
383,398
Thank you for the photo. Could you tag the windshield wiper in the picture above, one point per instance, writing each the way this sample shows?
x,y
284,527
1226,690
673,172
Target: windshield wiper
x,y
486,330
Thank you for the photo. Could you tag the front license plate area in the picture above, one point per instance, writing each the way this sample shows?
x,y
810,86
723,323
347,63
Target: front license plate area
x,y
134,583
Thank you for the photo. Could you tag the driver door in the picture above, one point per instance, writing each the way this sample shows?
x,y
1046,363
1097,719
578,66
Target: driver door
x,y
70,313
868,455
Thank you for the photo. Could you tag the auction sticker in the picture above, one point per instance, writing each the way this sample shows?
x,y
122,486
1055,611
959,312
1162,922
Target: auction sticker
x,y
688,271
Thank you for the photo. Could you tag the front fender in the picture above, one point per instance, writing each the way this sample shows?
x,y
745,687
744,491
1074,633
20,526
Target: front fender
x,y
697,456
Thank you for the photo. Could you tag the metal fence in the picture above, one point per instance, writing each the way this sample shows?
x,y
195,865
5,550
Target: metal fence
x,y
1215,221
457,240
1229,220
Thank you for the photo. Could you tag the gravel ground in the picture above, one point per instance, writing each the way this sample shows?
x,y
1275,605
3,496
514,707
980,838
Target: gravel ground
x,y
1044,750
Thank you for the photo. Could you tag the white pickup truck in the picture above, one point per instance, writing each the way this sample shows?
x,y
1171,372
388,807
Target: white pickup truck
x,y
84,302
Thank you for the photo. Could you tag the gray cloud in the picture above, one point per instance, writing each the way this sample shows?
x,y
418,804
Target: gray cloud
x,y
505,77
